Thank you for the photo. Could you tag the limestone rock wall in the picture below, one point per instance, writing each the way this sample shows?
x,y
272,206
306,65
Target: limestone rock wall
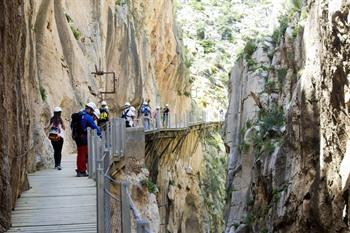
x,y
50,48
287,130
14,104
187,199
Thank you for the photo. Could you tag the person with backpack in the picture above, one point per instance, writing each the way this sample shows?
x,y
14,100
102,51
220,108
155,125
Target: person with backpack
x,y
129,114
80,122
56,136
104,115
146,114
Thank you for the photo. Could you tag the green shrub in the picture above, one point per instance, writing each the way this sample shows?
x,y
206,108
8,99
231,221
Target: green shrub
x,y
249,49
281,74
76,32
152,188
197,5
208,45
187,94
297,5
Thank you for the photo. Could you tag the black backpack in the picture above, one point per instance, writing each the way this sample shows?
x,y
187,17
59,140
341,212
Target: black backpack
x,y
76,127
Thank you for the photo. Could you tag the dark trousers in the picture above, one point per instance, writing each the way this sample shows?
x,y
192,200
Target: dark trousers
x,y
57,147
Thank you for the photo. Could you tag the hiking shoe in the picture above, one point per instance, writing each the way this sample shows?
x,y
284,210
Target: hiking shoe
x,y
59,168
84,174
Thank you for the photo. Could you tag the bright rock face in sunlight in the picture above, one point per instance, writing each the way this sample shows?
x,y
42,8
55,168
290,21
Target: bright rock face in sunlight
x,y
49,63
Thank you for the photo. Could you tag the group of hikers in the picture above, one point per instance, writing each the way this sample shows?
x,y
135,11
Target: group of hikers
x,y
149,118
97,118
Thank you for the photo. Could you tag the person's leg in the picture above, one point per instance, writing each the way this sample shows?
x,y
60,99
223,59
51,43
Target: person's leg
x,y
80,159
86,153
55,155
59,155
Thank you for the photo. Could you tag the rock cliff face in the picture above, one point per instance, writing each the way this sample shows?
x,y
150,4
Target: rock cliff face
x,y
14,123
187,168
49,49
287,128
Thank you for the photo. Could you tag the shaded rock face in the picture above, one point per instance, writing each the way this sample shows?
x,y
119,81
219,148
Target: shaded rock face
x,y
294,178
49,49
14,122
188,198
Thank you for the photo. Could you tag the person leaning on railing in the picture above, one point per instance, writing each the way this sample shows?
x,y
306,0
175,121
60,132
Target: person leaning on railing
x,y
87,119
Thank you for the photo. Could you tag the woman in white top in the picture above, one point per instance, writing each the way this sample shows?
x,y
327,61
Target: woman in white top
x,y
56,136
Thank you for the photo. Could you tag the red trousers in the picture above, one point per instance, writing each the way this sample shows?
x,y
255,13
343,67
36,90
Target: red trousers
x,y
82,158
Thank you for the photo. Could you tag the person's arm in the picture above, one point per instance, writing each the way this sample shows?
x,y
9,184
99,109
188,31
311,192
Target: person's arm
x,y
92,124
63,127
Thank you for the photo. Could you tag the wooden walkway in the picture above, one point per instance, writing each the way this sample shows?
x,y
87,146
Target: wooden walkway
x,y
57,202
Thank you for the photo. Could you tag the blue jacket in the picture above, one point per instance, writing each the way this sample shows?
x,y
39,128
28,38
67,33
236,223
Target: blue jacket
x,y
88,121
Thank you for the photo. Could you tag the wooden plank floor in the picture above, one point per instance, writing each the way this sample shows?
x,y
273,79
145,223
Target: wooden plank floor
x,y
57,202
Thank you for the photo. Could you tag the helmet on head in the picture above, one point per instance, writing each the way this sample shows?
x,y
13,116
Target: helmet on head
x,y
97,113
91,105
158,107
127,104
104,103
57,109
167,105
145,103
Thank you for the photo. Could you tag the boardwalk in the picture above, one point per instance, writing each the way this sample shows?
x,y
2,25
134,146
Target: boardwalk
x,y
57,202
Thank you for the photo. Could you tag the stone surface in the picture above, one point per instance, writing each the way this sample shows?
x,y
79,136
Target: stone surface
x,y
49,49
302,184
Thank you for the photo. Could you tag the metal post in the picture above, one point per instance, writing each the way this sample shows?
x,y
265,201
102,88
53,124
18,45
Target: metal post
x,y
142,227
125,208
100,197
122,138
119,136
113,140
89,152
108,139
95,157
175,121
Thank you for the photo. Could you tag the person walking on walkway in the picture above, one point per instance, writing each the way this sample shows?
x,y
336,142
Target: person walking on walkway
x,y
156,117
129,114
56,136
146,114
166,111
104,115
87,120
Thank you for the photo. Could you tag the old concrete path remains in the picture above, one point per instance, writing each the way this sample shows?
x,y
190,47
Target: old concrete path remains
x,y
57,202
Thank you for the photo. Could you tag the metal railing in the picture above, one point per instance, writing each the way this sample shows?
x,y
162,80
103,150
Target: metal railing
x,y
114,208
158,121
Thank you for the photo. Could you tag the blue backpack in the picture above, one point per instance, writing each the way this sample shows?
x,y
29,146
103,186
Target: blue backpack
x,y
145,110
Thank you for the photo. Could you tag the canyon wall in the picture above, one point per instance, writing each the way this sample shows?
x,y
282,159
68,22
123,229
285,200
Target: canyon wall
x,y
187,167
287,127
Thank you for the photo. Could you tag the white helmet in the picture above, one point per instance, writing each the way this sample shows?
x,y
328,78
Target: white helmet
x,y
145,103
158,107
97,113
57,109
91,105
127,104
104,103
167,105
